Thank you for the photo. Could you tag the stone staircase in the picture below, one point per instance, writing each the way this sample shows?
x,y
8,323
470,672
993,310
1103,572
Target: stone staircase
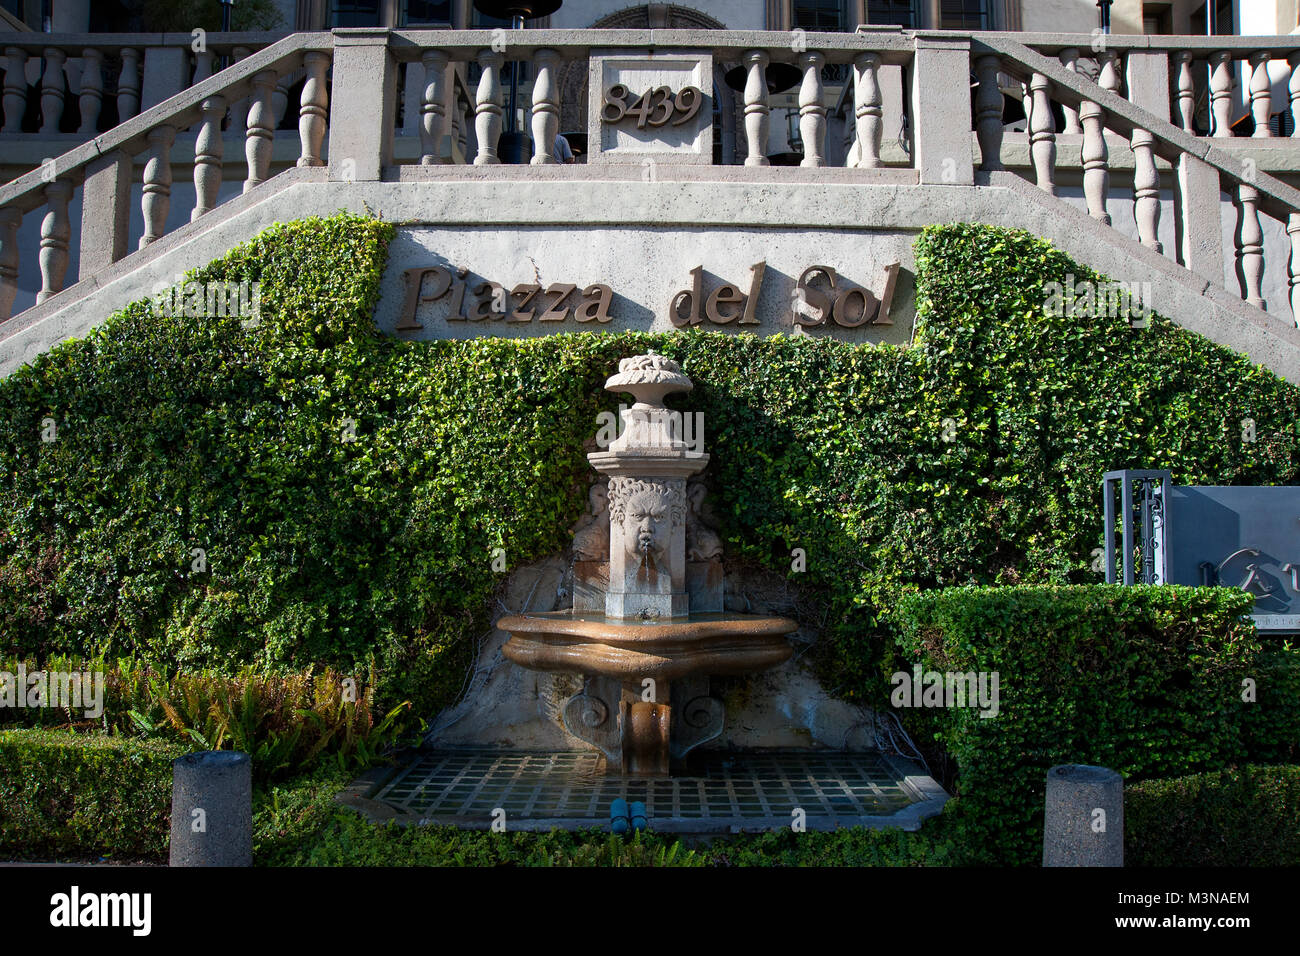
x,y
960,163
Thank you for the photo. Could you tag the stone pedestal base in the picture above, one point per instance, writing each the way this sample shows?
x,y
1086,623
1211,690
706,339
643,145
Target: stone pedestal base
x,y
639,736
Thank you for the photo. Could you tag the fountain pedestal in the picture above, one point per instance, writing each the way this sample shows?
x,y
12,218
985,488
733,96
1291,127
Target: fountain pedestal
x,y
647,659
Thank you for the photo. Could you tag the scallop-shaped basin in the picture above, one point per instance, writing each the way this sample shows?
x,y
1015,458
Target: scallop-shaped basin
x,y
590,643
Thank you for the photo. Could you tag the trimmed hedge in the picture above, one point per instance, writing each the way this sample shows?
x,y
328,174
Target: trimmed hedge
x,y
970,458
79,795
1144,680
1242,817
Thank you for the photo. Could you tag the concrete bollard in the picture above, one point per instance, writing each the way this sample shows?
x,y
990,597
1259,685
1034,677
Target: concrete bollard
x,y
1084,822
212,809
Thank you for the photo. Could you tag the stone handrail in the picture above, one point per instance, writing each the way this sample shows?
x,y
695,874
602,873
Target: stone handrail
x,y
547,49
1175,95
361,121
102,168
149,68
1202,166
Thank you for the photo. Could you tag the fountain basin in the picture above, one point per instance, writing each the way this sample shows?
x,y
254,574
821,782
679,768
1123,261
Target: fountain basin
x,y
631,650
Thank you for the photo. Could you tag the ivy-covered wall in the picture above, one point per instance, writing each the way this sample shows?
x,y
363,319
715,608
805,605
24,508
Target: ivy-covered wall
x,y
347,490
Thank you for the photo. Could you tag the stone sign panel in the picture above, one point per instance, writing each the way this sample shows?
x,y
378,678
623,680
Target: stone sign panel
x,y
524,281
652,108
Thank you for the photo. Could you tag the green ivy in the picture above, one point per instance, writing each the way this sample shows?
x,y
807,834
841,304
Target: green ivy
x,y
971,457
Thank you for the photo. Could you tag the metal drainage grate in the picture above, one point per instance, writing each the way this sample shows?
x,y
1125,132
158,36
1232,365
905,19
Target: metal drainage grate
x,y
726,791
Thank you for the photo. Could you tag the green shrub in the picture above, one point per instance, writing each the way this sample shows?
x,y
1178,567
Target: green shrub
x,y
1273,725
287,723
81,795
1244,817
177,433
1144,680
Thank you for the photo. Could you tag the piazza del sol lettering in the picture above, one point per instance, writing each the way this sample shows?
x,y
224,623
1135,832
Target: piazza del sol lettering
x,y
821,297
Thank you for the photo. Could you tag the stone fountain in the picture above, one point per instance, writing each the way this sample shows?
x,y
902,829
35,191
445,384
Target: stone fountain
x,y
647,628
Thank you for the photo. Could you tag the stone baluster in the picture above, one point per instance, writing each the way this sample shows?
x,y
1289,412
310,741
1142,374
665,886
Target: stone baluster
x,y
91,99
1146,189
10,220
260,130
157,198
208,150
128,85
1096,154
1070,60
203,61
1221,93
1186,107
1042,134
1108,77
488,109
869,107
453,121
1261,95
1293,93
1293,268
1027,102
313,109
988,112
463,126
757,112
52,94
280,99
239,108
812,114
546,107
15,89
1250,246
56,230
433,109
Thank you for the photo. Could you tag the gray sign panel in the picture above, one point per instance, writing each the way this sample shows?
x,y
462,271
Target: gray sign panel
x,y
1243,537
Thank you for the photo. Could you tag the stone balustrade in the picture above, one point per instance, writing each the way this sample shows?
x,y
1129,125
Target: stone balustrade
x,y
1218,86
102,171
1200,169
85,84
550,53
460,83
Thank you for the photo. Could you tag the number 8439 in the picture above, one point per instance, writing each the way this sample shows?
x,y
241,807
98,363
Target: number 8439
x,y
656,107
